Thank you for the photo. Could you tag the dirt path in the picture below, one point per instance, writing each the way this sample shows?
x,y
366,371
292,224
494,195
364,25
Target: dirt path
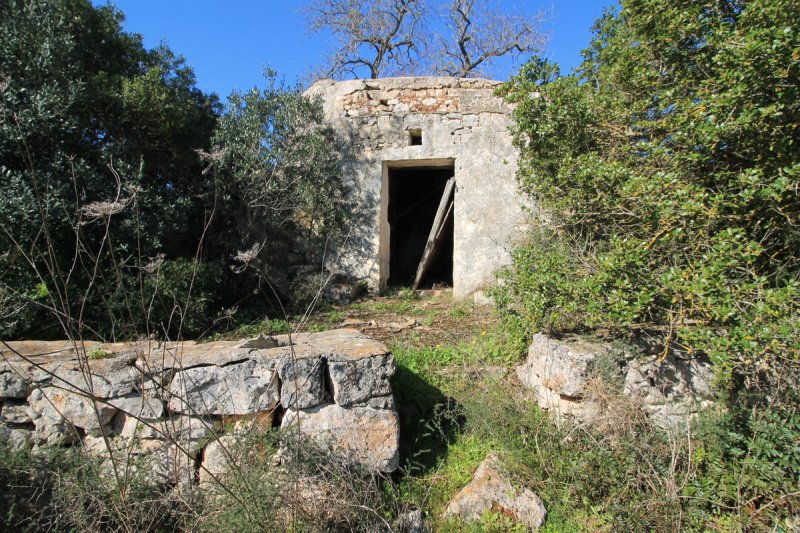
x,y
426,318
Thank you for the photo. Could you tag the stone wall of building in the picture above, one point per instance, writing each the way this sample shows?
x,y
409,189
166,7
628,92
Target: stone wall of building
x,y
462,123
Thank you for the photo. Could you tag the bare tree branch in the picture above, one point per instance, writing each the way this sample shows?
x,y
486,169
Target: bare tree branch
x,y
380,37
479,33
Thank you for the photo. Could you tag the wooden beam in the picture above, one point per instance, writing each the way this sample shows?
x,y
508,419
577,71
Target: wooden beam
x,y
434,237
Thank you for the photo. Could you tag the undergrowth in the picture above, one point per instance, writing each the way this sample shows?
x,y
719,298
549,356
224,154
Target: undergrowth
x,y
734,469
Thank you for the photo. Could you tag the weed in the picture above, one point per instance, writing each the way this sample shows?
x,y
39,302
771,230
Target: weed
x,y
460,310
96,353
408,294
268,326
400,307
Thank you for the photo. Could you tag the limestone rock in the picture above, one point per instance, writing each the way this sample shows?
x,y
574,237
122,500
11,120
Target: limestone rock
x,y
15,412
247,425
16,438
94,445
116,383
49,432
357,381
359,367
166,451
133,427
189,354
163,463
189,433
302,382
13,386
226,451
51,406
139,406
218,457
365,435
563,366
492,490
672,390
237,389
559,406
411,522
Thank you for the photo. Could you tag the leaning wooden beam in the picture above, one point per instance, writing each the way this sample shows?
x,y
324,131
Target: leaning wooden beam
x,y
434,237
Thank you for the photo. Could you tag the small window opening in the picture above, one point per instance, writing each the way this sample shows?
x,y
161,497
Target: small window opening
x,y
415,137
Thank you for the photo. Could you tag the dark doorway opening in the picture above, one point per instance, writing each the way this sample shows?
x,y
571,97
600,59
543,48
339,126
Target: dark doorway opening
x,y
414,197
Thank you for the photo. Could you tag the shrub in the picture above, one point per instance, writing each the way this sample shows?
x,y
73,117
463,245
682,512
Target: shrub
x,y
671,184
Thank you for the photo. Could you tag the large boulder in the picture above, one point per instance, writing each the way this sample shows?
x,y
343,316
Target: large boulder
x,y
564,366
492,490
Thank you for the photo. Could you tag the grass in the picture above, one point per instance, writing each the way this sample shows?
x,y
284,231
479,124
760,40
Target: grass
x,y
458,399
268,326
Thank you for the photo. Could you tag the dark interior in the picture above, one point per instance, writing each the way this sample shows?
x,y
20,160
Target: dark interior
x,y
414,196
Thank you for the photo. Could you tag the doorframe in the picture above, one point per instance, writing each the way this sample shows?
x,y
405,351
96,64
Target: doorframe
x,y
384,247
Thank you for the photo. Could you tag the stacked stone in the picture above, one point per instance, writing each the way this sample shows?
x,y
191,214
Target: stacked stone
x,y
184,404
671,389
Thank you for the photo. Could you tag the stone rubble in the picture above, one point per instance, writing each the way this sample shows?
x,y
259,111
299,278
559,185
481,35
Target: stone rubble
x,y
491,489
670,389
180,407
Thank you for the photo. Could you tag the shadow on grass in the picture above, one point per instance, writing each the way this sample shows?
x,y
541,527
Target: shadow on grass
x,y
429,421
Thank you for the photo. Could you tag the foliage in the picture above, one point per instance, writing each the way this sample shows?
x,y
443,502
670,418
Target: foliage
x,y
130,206
311,490
281,177
669,166
92,124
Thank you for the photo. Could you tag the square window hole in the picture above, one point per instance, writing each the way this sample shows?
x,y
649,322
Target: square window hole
x,y
415,137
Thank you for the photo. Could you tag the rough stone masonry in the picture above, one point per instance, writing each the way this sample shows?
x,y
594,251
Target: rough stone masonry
x,y
175,402
429,121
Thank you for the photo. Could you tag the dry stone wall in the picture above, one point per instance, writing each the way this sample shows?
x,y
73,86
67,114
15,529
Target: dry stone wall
x,y
670,387
182,404
461,122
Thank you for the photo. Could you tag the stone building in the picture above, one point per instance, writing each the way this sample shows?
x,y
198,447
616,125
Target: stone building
x,y
406,137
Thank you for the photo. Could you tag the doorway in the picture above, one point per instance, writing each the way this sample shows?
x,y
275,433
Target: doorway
x,y
418,217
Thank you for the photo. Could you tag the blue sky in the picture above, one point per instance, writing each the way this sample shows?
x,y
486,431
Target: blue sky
x,y
228,43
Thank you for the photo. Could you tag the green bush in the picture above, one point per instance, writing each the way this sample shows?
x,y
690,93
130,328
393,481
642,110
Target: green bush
x,y
671,183
668,167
